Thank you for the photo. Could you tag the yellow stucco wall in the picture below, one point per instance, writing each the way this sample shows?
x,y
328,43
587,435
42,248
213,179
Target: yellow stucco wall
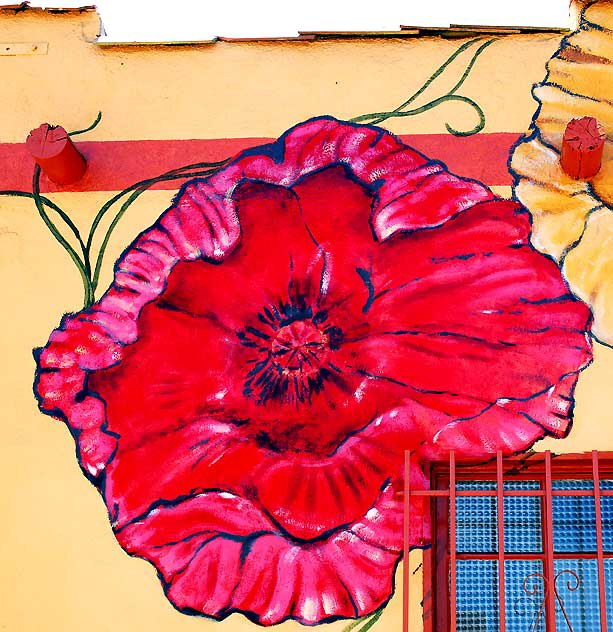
x,y
62,569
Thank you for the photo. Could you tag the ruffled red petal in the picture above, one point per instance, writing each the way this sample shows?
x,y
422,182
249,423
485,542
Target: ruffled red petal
x,y
219,554
307,496
186,367
470,299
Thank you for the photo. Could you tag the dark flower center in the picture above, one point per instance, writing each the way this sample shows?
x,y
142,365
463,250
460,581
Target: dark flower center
x,y
292,353
300,349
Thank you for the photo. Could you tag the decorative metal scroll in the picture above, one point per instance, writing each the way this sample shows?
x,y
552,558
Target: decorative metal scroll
x,y
572,583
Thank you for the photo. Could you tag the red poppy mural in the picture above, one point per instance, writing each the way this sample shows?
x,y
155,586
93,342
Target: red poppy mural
x,y
243,393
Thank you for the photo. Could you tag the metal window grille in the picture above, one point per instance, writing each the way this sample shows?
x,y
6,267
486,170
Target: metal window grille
x,y
519,544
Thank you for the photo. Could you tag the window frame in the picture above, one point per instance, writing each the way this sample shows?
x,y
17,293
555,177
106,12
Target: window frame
x,y
541,466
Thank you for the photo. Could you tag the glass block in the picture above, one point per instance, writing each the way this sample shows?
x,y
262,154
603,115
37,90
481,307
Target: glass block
x,y
524,596
522,519
579,595
574,519
477,596
476,519
607,516
608,574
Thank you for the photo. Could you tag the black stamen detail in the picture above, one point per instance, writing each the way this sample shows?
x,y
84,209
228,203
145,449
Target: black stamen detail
x,y
257,368
320,317
291,287
335,337
258,333
269,323
245,340
291,312
365,275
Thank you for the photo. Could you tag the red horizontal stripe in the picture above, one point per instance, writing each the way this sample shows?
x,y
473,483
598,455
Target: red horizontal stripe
x,y
115,165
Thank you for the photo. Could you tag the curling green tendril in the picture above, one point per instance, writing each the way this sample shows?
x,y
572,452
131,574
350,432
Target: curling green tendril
x,y
57,234
378,117
87,129
90,275
137,189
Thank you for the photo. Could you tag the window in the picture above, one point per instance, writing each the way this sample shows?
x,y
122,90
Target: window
x,y
554,570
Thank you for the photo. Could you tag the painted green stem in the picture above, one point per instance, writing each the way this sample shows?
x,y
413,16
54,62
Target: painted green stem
x,y
471,63
369,624
60,238
47,202
432,104
171,175
378,117
87,129
149,182
430,79
369,621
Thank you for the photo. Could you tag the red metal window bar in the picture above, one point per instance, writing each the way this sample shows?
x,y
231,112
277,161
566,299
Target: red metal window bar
x,y
440,562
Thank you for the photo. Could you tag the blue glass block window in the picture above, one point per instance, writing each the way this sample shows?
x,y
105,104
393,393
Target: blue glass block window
x,y
574,519
522,519
607,516
477,519
608,574
477,596
523,606
579,595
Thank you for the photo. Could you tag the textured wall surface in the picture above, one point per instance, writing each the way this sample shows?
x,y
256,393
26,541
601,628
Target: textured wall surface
x,y
62,569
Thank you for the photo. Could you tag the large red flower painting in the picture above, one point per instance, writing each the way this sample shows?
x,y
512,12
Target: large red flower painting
x,y
243,393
